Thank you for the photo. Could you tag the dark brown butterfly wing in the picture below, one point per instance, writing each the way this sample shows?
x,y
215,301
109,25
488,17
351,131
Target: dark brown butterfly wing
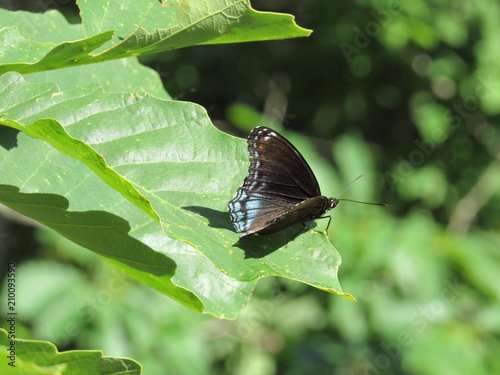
x,y
278,180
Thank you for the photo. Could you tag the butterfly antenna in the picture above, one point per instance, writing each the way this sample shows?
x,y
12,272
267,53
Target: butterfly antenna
x,y
375,204
348,186
350,200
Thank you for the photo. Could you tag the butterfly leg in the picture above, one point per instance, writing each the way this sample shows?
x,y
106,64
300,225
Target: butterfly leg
x,y
327,225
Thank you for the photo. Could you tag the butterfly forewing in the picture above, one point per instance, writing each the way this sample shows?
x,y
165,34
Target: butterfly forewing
x,y
279,168
278,180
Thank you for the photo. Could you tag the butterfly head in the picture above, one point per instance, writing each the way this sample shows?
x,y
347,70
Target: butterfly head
x,y
333,203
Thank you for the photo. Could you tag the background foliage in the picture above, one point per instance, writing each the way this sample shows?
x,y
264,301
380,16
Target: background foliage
x,y
405,92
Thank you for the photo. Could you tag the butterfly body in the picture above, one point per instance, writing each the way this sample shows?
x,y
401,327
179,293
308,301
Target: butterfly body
x,y
280,190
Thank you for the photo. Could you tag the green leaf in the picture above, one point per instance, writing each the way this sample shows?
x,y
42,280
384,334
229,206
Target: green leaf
x,y
102,220
165,158
131,28
32,357
110,75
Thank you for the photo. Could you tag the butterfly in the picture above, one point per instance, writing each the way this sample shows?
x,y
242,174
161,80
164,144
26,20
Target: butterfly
x,y
280,190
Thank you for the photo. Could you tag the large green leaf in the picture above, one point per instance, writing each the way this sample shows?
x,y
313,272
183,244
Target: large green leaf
x,y
32,357
165,158
128,28
52,29
104,221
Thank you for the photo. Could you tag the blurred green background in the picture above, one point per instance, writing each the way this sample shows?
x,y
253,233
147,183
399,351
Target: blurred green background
x,y
406,92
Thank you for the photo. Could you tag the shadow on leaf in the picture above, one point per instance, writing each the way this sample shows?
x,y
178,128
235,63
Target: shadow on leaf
x,y
258,246
255,245
8,137
216,219
100,231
